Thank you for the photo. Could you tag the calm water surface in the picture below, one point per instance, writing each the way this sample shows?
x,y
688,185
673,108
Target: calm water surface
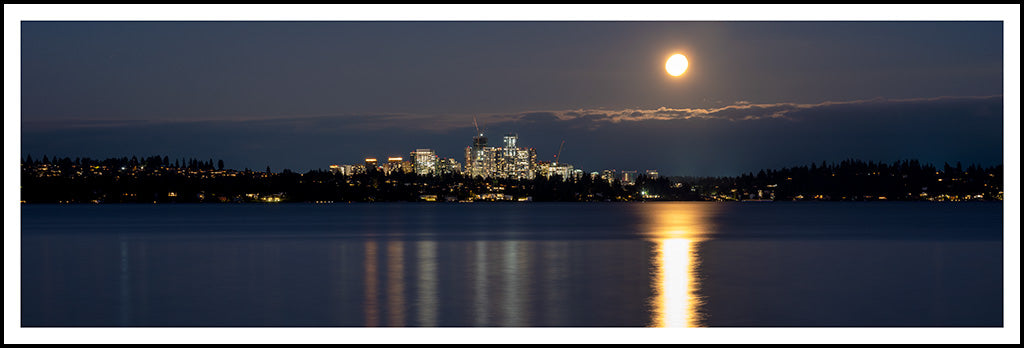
x,y
514,264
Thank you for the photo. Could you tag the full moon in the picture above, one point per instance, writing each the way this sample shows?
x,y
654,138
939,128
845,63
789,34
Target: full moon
x,y
676,65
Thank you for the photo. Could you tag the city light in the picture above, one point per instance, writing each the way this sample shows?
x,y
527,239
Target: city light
x,y
492,174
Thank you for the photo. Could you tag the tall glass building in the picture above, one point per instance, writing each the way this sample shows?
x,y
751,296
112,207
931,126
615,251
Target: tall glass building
x,y
509,161
480,158
424,161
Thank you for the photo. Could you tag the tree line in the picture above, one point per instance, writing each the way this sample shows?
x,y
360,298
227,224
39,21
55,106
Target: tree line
x,y
853,179
117,162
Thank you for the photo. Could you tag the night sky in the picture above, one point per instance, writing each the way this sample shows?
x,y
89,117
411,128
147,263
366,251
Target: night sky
x,y
304,95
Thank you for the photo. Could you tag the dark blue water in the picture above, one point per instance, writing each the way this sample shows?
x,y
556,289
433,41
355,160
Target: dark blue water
x,y
514,264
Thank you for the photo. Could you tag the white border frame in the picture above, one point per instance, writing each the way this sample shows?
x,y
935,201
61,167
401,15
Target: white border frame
x,y
14,14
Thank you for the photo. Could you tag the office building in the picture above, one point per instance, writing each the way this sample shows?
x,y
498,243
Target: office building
x,y
343,169
480,158
395,165
448,166
424,161
564,170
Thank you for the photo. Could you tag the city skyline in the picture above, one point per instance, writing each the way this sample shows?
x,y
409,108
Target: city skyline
x,y
156,179
508,161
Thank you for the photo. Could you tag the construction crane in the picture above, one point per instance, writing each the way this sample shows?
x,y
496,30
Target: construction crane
x,y
559,151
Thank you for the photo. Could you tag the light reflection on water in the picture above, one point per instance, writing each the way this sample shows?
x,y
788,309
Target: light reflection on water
x,y
426,284
507,274
677,232
396,284
665,265
675,283
498,291
481,308
515,282
372,315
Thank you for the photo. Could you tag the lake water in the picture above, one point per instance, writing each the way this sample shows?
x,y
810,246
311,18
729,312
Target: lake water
x,y
883,264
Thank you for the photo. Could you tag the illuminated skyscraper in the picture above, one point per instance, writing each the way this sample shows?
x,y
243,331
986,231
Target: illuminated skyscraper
x,y
447,166
514,162
561,169
480,158
344,169
510,144
526,160
425,161
357,169
394,165
507,157
370,163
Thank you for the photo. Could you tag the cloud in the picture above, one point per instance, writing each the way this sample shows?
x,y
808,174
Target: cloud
x,y
741,110
538,117
725,140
